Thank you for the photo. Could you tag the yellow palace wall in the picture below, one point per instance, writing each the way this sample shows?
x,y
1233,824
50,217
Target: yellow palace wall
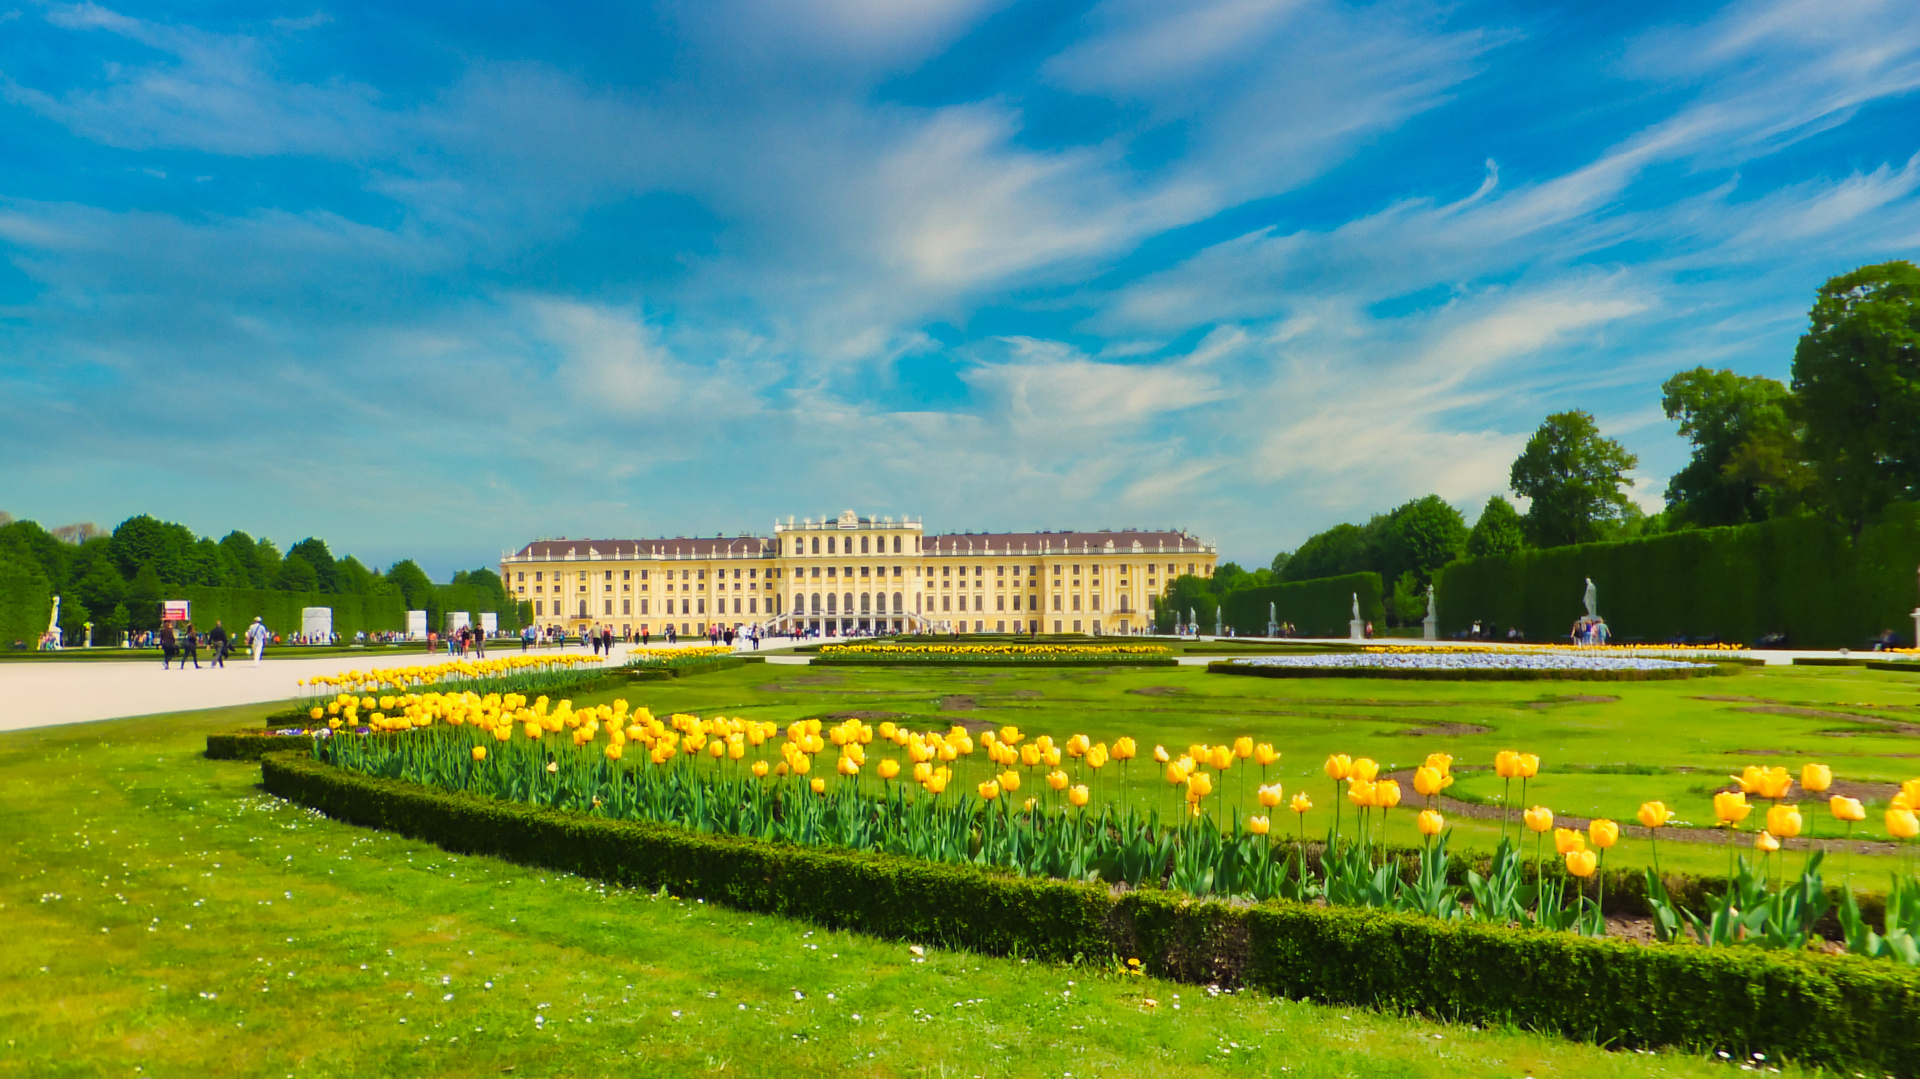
x,y
857,574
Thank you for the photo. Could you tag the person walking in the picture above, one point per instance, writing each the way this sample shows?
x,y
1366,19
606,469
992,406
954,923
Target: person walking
x,y
168,645
217,644
526,637
191,644
257,635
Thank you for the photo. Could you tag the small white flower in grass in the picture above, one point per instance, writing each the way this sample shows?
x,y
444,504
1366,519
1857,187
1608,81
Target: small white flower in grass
x,y
798,995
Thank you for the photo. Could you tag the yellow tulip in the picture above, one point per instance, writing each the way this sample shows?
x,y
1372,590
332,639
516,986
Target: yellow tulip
x,y
1058,780
1783,820
1077,794
1160,754
1655,814
989,790
1847,809
1301,803
1263,754
1506,764
1269,795
1428,781
479,753
1176,775
1440,762
1339,766
1199,785
1431,823
1816,778
802,764
1077,745
1011,735
1243,747
1386,794
1221,757
819,785
1366,768
1097,756
759,769
1731,807
937,782
1257,825
1030,755
1902,823
1766,843
1566,839
1582,863
1029,805
1360,793
1009,781
1539,818
888,768
1911,789
1124,749
1528,765
613,751
1603,833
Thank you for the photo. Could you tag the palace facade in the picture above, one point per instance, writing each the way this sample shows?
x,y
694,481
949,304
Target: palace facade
x,y
857,574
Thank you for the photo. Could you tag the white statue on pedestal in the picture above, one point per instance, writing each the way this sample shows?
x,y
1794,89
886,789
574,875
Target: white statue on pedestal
x,y
1592,600
1357,628
1430,626
53,625
1273,621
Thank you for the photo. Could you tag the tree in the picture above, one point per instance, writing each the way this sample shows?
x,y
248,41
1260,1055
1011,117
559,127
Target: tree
x,y
1279,564
412,581
314,553
143,599
1186,593
352,578
1338,551
296,574
142,541
1573,476
1497,531
1419,537
1727,416
1409,598
42,548
1856,379
1228,576
246,555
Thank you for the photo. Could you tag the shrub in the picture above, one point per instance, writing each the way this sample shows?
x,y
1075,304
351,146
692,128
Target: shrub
x,y
1318,608
1467,674
1833,1010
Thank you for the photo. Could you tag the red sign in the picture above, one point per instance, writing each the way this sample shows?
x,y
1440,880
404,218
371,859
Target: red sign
x,y
173,610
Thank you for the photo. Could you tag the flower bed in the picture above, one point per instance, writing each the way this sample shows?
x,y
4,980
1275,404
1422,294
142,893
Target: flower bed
x,y
968,655
1832,1010
1466,665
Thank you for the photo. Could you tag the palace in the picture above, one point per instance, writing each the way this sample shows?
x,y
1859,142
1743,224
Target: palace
x,y
857,574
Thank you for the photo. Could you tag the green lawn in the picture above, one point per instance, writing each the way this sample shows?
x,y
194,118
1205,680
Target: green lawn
x,y
166,918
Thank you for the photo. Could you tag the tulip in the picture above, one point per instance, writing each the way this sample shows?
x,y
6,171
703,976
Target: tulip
x,y
1655,814
1221,757
1360,793
1529,765
1077,794
1387,794
1243,747
1199,785
1430,822
1269,795
1847,809
1506,764
1902,823
760,769
1911,788
1010,781
819,785
1582,863
1539,818
1765,843
1603,833
1731,807
1096,757
1058,780
888,768
937,782
1784,820
1816,778
1300,804
1176,775
1160,754
1029,805
1257,825
1566,839
1077,745
1011,735
1428,781
613,751
1124,749
1263,754
1366,768
989,790
1440,762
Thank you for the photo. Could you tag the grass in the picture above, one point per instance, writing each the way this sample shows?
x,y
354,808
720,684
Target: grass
x,y
164,917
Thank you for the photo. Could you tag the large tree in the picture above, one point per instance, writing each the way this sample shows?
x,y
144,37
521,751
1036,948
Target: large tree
x,y
314,553
1339,550
1574,477
140,542
412,581
1742,437
1419,537
1497,531
1856,378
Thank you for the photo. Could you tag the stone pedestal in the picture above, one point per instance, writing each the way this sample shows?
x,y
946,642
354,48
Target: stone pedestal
x,y
1357,630
1430,628
1916,627
1273,628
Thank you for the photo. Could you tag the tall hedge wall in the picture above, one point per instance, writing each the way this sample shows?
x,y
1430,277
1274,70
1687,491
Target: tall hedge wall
x,y
1317,608
25,602
281,610
1804,577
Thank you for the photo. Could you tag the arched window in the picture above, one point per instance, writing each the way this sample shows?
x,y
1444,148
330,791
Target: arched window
x,y
899,602
829,544
866,603
816,603
863,545
847,604
830,602
816,545
896,545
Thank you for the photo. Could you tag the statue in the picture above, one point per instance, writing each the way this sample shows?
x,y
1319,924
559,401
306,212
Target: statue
x,y
1430,626
1356,606
1592,600
1273,621
1356,629
53,625
1193,623
1217,624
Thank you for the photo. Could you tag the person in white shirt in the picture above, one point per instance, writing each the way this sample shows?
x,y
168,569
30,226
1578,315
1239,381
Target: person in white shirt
x,y
257,639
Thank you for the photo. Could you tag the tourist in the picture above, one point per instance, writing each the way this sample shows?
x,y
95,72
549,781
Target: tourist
x,y
190,643
606,638
433,642
257,635
526,638
167,646
217,643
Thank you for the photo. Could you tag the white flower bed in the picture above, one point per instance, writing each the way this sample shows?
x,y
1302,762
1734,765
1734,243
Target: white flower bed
x,y
1439,660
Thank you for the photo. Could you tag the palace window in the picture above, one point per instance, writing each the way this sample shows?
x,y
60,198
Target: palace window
x,y
1076,601
863,545
896,550
1056,603
643,605
830,544
816,545
609,575
626,606
538,607
999,603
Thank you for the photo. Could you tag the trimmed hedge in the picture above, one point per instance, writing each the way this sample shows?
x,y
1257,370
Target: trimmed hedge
x,y
1318,608
1471,675
990,661
1833,1010
253,745
237,607
658,674
1802,576
26,601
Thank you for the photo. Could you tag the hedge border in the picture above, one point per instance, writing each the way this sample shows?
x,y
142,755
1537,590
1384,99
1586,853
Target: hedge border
x,y
1468,675
1832,1010
1117,661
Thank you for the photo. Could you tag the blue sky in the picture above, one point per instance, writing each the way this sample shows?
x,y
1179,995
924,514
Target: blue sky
x,y
437,279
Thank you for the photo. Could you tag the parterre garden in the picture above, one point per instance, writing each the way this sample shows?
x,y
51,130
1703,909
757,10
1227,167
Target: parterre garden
x,y
1600,754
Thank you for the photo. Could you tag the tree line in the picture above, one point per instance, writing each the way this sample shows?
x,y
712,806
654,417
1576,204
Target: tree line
x,y
1840,439
117,579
